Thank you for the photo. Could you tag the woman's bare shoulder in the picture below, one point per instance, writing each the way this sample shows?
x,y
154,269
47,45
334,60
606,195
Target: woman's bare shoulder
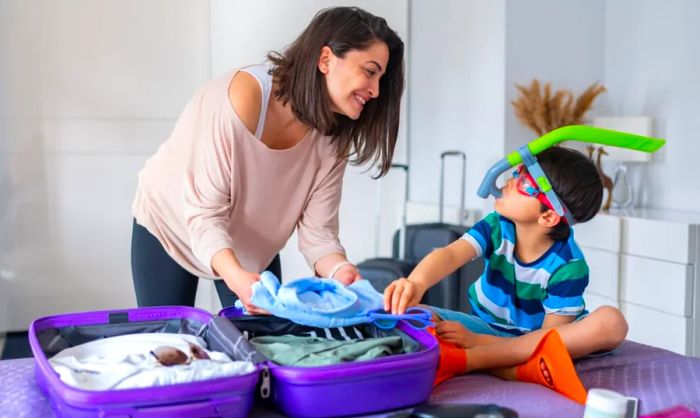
x,y
245,96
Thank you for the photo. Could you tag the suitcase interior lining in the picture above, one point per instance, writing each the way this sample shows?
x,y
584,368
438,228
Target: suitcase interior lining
x,y
219,335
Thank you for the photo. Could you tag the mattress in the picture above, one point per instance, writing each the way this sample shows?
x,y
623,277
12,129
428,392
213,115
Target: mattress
x,y
659,378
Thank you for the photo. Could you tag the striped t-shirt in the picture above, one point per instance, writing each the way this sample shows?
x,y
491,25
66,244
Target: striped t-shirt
x,y
515,296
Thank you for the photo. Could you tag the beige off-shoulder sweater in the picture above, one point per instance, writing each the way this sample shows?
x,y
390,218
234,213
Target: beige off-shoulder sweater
x,y
213,185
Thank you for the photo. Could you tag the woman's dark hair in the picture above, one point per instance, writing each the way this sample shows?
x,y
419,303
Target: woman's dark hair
x,y
372,137
576,181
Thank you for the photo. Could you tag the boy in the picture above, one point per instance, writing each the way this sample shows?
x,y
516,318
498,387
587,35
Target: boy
x,y
533,283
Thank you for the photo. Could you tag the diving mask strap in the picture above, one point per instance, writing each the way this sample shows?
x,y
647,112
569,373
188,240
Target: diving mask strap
x,y
535,170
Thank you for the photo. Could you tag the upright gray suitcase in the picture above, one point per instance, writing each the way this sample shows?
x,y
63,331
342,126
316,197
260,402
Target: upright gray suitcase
x,y
421,239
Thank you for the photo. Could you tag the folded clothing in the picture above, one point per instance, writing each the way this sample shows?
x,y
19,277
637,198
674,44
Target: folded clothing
x,y
292,350
263,325
316,302
125,362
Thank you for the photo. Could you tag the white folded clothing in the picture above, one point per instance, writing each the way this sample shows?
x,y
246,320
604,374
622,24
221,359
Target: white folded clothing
x,y
125,362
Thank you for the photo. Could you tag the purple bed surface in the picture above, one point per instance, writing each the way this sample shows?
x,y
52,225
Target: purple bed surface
x,y
658,377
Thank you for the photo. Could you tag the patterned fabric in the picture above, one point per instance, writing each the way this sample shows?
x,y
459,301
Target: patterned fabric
x,y
260,325
515,296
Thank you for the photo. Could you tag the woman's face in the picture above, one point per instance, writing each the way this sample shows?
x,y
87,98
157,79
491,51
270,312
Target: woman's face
x,y
353,80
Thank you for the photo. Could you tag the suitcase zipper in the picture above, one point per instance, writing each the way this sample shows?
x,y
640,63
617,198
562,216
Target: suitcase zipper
x,y
265,386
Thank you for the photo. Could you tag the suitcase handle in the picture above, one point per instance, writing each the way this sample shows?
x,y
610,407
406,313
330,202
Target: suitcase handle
x,y
452,153
378,220
214,407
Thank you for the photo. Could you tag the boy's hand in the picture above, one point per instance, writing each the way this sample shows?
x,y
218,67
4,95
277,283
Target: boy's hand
x,y
455,333
401,294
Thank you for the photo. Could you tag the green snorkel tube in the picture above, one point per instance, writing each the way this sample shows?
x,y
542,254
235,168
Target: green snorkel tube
x,y
526,155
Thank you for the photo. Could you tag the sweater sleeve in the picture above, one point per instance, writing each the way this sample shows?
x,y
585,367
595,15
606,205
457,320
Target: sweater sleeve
x,y
207,190
318,226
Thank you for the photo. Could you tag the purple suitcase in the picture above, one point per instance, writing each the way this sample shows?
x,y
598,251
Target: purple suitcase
x,y
229,396
354,388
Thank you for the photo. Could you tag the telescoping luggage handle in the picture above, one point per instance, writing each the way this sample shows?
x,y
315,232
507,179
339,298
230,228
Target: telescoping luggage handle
x,y
378,220
442,182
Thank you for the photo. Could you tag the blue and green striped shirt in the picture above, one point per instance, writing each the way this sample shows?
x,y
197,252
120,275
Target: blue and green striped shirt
x,y
515,296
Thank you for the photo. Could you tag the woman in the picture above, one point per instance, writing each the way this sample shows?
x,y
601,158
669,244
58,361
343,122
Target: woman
x,y
262,151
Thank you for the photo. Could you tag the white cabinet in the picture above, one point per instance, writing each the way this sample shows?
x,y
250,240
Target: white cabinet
x,y
645,262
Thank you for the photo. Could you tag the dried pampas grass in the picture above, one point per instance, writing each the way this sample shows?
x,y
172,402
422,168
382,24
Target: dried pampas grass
x,y
540,110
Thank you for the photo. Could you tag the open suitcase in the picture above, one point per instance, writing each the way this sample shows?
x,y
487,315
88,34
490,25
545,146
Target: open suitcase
x,y
344,389
353,388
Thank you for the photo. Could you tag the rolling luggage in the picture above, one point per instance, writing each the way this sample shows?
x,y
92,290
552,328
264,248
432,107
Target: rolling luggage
x,y
421,239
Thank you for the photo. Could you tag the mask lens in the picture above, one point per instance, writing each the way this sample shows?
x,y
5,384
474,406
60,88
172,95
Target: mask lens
x,y
525,183
198,352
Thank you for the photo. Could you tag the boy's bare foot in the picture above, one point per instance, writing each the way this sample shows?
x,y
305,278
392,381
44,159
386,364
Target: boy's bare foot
x,y
455,333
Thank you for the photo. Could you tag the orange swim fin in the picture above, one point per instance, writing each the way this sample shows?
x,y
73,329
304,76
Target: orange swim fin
x,y
453,360
552,353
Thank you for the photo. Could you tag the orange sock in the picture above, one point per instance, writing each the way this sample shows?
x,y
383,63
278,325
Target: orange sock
x,y
553,353
453,360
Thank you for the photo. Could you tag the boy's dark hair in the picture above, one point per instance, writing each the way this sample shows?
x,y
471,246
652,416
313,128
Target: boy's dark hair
x,y
576,181
373,136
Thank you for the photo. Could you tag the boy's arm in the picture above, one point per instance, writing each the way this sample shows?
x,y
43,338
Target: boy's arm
x,y
403,293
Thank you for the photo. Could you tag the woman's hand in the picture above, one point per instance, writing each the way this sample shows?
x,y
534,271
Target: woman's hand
x,y
347,275
243,288
401,294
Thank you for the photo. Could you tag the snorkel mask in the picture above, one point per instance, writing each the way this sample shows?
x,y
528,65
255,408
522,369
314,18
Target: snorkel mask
x,y
526,155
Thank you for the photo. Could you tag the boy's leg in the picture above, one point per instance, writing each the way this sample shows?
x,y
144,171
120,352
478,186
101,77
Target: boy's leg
x,y
464,329
453,357
603,329
469,321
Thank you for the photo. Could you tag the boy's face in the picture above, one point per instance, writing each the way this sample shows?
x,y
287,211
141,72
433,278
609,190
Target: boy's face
x,y
517,204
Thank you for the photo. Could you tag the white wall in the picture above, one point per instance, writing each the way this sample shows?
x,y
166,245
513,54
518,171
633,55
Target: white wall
x,y
103,83
652,67
456,93
243,32
645,54
96,87
561,42
467,57
90,89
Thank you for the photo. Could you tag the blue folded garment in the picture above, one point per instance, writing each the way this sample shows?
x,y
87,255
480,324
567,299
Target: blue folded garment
x,y
323,303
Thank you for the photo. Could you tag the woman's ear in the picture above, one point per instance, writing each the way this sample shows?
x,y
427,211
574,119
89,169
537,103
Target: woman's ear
x,y
549,219
324,59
